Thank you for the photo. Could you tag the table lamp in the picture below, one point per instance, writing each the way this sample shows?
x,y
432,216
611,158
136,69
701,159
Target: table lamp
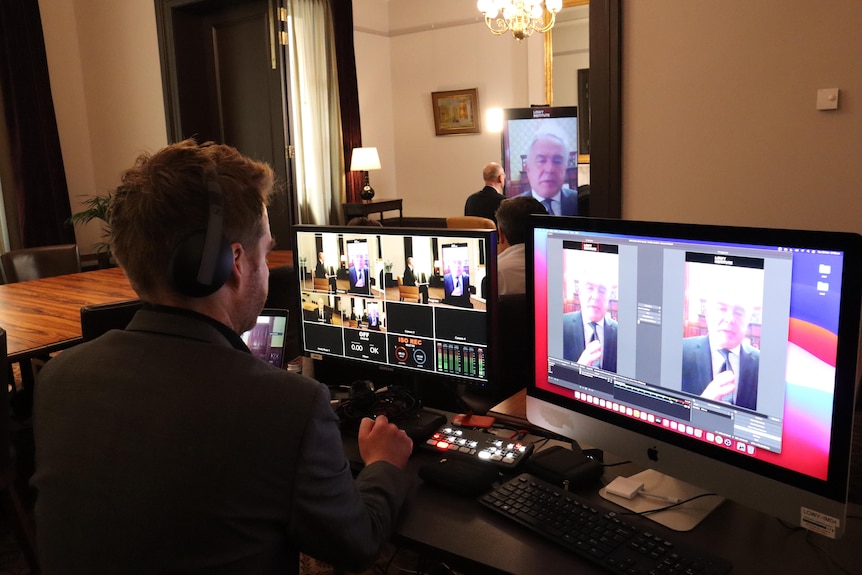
x,y
362,160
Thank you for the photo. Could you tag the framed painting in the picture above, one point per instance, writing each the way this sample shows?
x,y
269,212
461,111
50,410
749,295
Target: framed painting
x,y
456,112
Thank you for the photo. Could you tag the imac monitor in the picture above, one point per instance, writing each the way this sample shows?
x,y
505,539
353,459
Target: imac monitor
x,y
401,299
723,357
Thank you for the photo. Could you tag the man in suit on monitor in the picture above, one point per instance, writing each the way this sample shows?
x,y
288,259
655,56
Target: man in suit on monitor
x,y
409,279
323,314
359,276
590,334
320,271
546,165
722,365
456,285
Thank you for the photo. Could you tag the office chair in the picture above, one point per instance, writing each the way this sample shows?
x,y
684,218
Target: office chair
x,y
470,222
42,262
321,284
408,292
101,318
20,522
584,200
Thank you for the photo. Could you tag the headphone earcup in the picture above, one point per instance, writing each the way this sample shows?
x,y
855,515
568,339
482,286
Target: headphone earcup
x,y
186,263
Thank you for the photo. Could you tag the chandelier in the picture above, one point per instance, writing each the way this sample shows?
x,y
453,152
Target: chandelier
x,y
522,17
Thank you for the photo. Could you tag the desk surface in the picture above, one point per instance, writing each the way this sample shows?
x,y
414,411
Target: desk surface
x,y
459,531
44,315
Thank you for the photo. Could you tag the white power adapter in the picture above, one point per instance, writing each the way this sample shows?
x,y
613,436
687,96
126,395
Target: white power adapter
x,y
624,487
629,488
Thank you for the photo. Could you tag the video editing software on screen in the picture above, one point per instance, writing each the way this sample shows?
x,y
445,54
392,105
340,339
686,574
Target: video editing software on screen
x,y
396,297
729,344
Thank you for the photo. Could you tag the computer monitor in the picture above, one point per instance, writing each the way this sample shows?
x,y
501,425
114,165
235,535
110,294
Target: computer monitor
x,y
415,300
773,430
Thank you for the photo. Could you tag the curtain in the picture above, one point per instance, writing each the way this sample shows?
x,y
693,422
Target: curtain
x,y
342,14
37,199
315,112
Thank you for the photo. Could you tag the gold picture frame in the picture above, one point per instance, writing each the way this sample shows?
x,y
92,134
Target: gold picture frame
x,y
456,112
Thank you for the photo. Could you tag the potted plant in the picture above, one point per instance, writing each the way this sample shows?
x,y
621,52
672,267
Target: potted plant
x,y
389,281
96,208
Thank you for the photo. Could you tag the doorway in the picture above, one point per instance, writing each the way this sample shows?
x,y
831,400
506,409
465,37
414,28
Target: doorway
x,y
225,75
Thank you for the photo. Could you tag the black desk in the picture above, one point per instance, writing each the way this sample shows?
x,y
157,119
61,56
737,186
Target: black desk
x,y
367,208
470,539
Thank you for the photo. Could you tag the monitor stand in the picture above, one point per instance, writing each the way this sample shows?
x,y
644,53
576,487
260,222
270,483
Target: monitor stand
x,y
682,518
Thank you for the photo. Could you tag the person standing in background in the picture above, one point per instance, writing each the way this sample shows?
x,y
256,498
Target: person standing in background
x,y
485,202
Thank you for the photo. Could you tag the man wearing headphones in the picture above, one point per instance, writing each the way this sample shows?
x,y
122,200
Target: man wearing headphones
x,y
167,447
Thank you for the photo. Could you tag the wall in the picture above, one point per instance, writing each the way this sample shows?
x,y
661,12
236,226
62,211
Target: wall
x,y
106,81
719,119
719,122
437,46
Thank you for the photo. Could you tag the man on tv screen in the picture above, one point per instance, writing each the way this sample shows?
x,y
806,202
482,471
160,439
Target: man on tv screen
x,y
456,285
409,279
323,313
545,168
723,365
359,276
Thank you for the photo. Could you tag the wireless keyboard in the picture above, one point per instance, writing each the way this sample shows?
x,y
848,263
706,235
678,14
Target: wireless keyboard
x,y
596,533
480,445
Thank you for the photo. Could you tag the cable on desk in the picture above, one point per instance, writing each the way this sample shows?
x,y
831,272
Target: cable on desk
x,y
824,552
667,507
393,402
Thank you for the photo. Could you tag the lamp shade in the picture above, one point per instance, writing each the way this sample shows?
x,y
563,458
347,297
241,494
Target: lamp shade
x,y
364,159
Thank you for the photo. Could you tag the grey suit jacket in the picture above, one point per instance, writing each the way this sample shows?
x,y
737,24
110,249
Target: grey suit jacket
x,y
574,344
164,448
697,370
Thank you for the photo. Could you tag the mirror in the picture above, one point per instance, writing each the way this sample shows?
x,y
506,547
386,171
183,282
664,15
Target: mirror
x,y
567,50
605,99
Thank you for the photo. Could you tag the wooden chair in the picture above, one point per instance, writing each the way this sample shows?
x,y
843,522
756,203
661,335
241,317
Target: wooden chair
x,y
20,522
321,284
101,318
470,222
406,293
42,262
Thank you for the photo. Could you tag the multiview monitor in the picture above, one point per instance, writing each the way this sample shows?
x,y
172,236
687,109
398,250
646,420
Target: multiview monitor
x,y
394,298
723,357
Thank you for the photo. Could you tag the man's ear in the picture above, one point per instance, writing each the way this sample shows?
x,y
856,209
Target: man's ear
x,y
238,261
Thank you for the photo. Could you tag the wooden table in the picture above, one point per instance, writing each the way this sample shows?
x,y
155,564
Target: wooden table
x,y
42,316
366,208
